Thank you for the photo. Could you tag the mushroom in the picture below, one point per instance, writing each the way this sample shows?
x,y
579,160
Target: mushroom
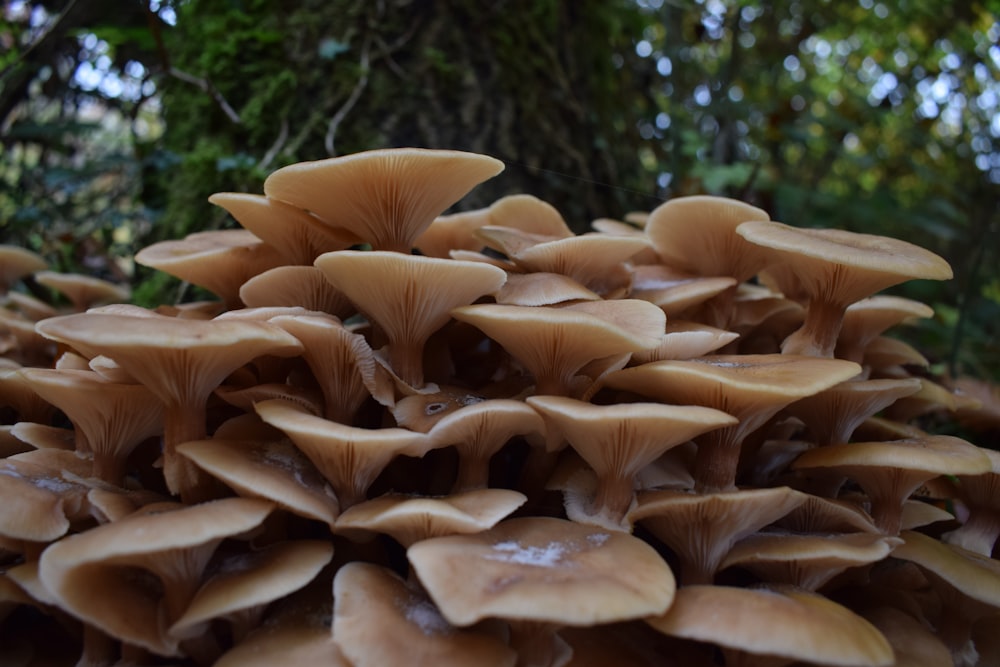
x,y
890,471
409,297
781,626
379,620
83,291
349,458
16,263
617,441
181,361
302,286
752,388
129,576
837,268
384,197
541,573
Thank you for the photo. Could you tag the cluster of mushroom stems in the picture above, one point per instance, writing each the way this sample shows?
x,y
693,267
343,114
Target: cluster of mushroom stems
x,y
404,437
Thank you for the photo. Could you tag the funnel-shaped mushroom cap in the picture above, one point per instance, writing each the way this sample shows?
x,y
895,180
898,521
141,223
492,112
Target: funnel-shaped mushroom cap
x,y
836,268
594,260
219,261
555,343
83,291
384,197
254,579
290,286
698,234
972,574
529,214
543,569
890,471
542,289
379,620
701,528
296,234
685,340
275,471
95,574
751,387
619,440
409,297
350,458
787,623
181,361
409,519
867,319
15,263
452,232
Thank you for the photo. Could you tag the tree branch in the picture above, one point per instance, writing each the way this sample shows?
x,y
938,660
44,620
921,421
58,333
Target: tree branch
x,y
352,99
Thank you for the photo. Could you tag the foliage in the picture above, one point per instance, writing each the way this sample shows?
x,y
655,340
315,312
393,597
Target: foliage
x,y
871,116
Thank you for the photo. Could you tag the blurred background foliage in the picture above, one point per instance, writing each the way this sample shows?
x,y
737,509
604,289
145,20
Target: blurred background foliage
x,y
118,118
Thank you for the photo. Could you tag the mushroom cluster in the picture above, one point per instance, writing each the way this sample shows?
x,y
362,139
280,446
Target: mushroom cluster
x,y
404,437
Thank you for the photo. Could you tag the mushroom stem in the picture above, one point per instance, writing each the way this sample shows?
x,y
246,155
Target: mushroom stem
x,y
717,460
613,497
979,533
817,337
473,473
109,468
406,359
184,422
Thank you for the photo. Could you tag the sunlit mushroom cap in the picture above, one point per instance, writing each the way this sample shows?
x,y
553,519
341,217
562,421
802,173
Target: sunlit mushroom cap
x,y
543,569
384,197
698,234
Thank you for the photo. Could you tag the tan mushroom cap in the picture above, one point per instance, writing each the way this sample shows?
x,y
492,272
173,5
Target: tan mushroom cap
x,y
617,441
913,644
685,340
111,419
751,387
219,261
379,620
296,234
409,519
837,268
554,344
244,583
83,291
529,214
17,262
594,260
787,623
542,289
303,286
94,574
409,297
701,528
673,291
384,197
890,471
181,361
867,319
273,470
452,232
341,362
807,561
833,414
349,458
543,569
698,234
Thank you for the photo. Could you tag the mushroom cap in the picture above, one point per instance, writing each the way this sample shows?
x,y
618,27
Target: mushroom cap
x,y
844,266
529,214
590,259
93,574
83,291
409,519
685,340
350,458
698,234
408,296
255,578
220,261
542,289
384,197
303,286
17,262
379,620
543,569
275,471
452,232
974,575
296,234
555,343
933,454
791,624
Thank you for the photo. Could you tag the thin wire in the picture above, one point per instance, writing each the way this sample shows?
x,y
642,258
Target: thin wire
x,y
574,177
